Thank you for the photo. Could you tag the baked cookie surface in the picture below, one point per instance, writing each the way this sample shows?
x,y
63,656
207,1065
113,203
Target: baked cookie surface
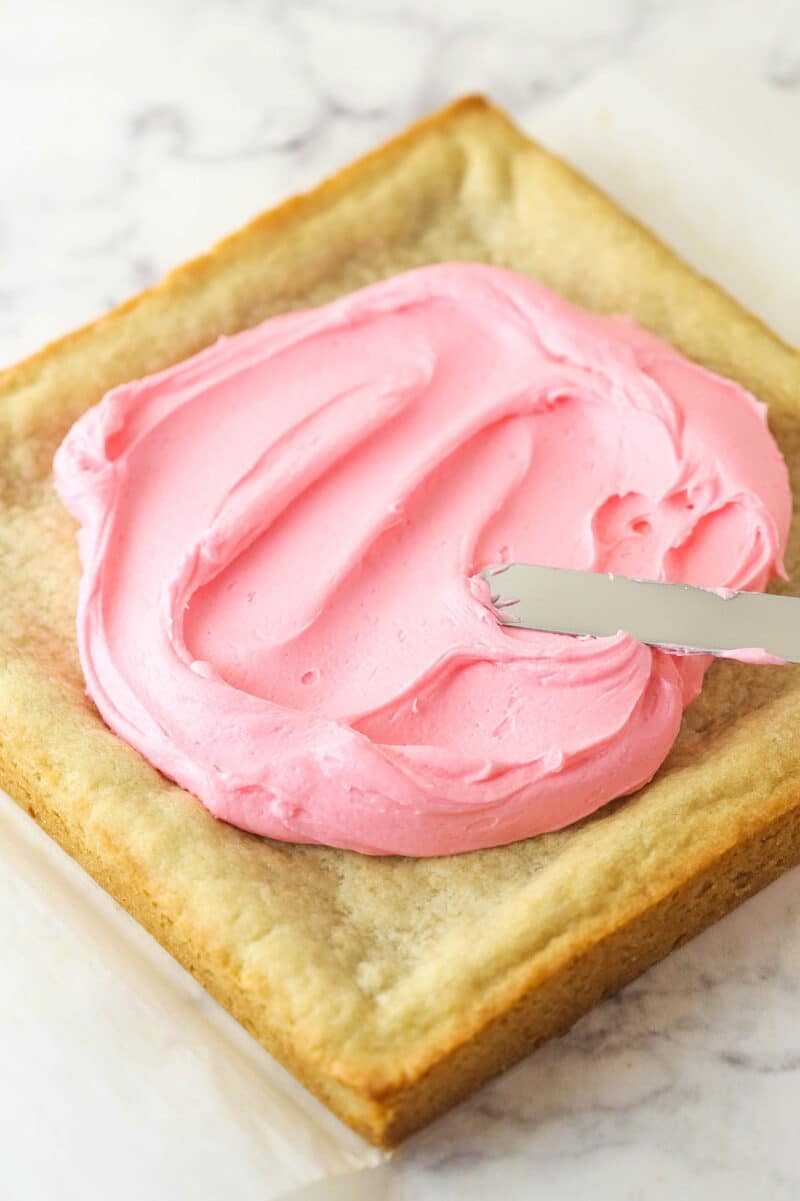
x,y
392,987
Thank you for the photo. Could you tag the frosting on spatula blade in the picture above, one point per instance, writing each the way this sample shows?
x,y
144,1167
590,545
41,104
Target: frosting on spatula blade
x,y
279,535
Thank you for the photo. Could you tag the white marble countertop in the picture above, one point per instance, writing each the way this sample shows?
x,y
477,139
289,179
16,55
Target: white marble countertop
x,y
134,136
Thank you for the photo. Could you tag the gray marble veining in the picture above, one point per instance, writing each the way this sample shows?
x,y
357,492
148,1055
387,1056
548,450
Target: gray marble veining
x,y
134,136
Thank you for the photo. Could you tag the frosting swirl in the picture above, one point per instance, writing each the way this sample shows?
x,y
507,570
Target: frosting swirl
x,y
279,538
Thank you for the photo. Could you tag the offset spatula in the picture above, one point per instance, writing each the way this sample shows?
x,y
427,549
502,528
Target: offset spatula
x,y
673,616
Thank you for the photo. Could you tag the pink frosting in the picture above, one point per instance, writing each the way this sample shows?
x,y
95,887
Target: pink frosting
x,y
756,655
279,535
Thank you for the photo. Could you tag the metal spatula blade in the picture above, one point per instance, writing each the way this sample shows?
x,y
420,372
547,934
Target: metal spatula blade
x,y
673,616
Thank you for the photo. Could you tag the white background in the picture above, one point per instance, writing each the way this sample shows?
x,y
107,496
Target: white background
x,y
132,137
